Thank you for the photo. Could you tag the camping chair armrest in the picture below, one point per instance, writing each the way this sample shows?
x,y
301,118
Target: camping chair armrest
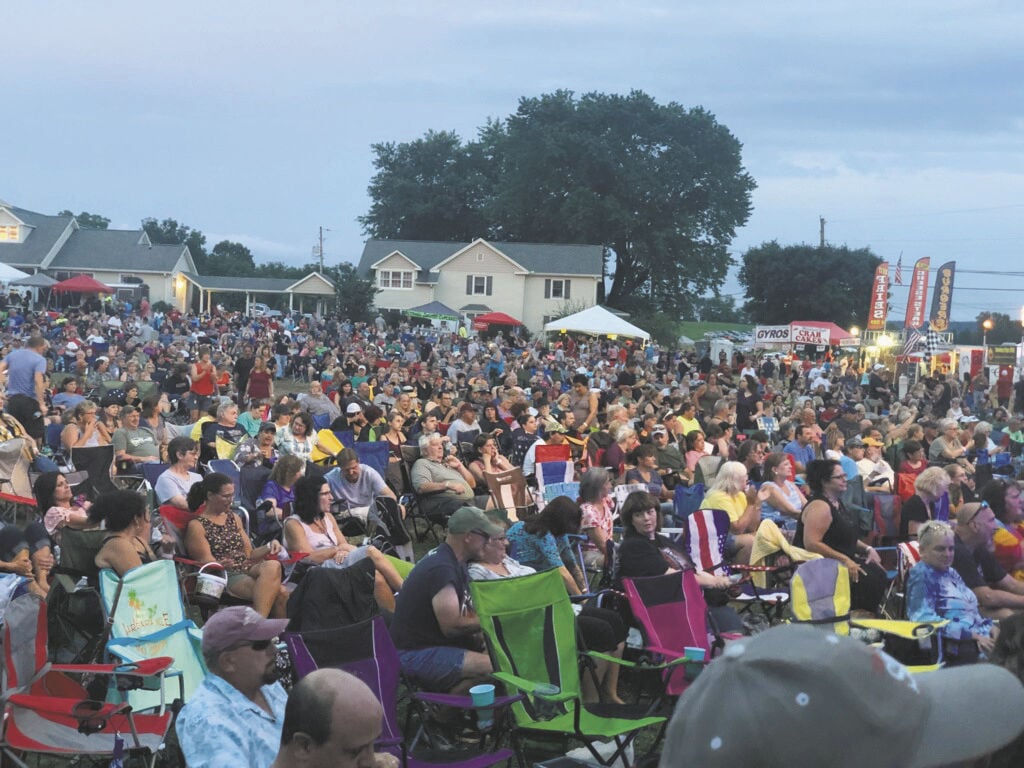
x,y
293,557
909,630
143,668
758,568
598,656
530,686
465,702
92,715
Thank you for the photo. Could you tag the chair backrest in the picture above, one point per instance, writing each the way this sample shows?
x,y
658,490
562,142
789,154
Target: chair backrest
x,y
252,478
95,462
374,454
554,490
820,593
176,520
146,616
686,499
673,615
621,492
544,453
321,420
346,437
508,489
53,433
548,472
226,449
78,549
327,446
229,468
905,486
908,555
364,650
705,534
530,627
25,638
152,471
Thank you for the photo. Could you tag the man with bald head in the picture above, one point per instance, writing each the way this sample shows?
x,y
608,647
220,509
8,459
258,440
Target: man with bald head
x,y
332,720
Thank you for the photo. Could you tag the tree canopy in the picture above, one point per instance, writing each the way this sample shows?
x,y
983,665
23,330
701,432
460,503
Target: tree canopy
x,y
170,232
661,187
805,282
88,220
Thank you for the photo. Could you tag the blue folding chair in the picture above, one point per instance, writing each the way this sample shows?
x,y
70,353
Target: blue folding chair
x,y
374,455
686,500
321,421
346,438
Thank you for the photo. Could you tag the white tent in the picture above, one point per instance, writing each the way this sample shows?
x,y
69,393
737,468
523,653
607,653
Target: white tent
x,y
597,321
10,273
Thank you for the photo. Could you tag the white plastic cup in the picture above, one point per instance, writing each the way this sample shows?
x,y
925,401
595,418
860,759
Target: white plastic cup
x,y
546,710
483,695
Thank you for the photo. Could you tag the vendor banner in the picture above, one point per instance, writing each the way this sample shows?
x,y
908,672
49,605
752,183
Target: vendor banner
x,y
809,334
879,298
943,297
771,334
918,298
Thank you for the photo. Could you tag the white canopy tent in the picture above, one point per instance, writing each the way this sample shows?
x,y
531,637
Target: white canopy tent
x,y
596,321
8,273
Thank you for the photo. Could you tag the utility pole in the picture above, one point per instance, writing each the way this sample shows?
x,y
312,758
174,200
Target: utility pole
x,y
821,231
322,247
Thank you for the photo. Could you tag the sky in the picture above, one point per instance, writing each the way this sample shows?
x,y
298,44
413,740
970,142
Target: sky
x,y
901,124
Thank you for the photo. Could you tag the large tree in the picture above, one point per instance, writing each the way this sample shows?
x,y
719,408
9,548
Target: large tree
x,y
661,187
355,294
170,232
88,220
807,282
230,258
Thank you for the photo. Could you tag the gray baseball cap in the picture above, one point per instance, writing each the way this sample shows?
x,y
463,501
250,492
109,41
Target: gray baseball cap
x,y
803,697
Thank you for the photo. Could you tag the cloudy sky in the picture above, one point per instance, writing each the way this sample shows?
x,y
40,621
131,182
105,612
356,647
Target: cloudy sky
x,y
899,123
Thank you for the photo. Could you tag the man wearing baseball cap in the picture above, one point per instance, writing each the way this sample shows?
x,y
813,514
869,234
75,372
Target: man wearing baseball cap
x,y
800,697
436,633
235,715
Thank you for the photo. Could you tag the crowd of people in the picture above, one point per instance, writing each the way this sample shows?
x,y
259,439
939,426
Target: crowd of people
x,y
763,437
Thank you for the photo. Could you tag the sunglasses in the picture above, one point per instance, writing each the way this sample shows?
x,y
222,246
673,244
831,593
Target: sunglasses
x,y
969,520
262,645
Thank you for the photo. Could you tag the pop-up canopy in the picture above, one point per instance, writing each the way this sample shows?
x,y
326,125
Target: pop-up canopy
x,y
596,321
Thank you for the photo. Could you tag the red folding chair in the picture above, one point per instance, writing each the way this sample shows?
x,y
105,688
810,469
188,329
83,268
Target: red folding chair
x,y
553,453
48,712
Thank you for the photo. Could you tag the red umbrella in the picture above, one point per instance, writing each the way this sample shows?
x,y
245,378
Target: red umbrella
x,y
496,318
81,284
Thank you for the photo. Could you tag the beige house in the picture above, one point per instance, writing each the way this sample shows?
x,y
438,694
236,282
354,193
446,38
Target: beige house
x,y
35,242
531,282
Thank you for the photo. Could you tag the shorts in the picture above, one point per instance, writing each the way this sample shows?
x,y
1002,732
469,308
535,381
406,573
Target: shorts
x,y
355,556
438,668
200,403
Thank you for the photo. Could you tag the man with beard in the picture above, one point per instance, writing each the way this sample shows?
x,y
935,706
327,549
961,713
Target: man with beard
x,y
236,714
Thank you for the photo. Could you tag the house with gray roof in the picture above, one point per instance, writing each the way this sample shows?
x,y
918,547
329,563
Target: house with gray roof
x,y
529,281
57,245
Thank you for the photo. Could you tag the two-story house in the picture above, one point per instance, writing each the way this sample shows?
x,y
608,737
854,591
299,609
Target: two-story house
x,y
531,282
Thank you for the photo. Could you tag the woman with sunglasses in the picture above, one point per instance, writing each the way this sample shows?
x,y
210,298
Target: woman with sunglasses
x,y
217,536
829,529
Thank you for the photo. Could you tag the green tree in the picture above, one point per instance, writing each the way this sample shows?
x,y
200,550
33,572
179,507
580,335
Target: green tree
x,y
806,282
1005,330
719,309
424,190
355,295
661,187
170,232
229,258
88,220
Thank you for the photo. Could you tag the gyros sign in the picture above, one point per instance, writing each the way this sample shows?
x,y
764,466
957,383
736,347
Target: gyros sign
x,y
791,334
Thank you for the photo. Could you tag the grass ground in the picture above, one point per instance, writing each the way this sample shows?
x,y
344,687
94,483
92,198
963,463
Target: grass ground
x,y
697,330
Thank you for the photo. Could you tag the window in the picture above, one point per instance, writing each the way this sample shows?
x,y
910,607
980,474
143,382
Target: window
x,y
479,285
9,233
394,279
556,289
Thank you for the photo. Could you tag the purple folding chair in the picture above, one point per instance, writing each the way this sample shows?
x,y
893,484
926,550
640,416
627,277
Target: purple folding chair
x,y
365,650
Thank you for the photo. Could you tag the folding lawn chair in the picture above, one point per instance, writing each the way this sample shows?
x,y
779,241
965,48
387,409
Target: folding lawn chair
x,y
366,651
530,629
821,596
548,453
74,609
16,497
374,454
509,491
414,513
48,712
908,554
146,617
95,463
672,614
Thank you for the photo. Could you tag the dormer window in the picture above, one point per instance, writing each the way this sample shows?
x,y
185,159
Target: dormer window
x,y
9,233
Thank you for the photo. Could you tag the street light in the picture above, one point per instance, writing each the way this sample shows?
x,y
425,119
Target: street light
x,y
986,326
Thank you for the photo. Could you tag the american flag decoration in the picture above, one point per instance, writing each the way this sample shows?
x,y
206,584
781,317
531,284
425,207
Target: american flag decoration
x,y
913,339
898,277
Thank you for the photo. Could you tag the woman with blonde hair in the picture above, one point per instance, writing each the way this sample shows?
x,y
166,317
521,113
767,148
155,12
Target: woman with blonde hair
x,y
929,502
732,493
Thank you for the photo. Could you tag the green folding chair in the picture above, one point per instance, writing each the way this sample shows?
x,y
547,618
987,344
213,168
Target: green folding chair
x,y
531,632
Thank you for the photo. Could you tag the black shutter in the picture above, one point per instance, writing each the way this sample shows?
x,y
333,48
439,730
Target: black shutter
x,y
469,285
490,284
565,288
547,289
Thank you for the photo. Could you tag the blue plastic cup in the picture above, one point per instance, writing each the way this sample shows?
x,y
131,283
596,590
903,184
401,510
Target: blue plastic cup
x,y
483,695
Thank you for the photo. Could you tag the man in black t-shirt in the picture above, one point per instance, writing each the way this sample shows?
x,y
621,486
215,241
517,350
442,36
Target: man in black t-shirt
x,y
436,633
999,594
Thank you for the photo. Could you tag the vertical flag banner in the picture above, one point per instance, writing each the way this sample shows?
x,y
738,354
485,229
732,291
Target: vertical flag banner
x,y
918,298
899,271
943,297
879,298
